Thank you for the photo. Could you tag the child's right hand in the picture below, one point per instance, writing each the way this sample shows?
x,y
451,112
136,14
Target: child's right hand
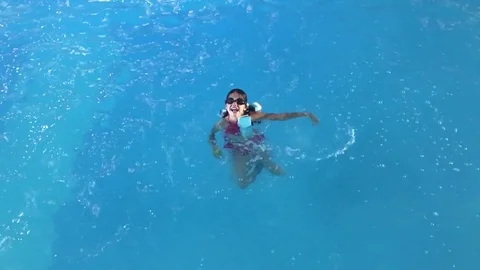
x,y
217,152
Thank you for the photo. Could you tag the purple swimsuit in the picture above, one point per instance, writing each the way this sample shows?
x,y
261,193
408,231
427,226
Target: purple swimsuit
x,y
245,147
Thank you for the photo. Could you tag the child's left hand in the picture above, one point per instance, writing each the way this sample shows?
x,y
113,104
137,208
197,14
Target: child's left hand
x,y
313,118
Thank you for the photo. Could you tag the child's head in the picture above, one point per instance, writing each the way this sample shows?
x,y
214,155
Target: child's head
x,y
236,103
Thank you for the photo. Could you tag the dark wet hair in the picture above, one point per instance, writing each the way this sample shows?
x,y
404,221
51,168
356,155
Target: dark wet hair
x,y
250,108
238,91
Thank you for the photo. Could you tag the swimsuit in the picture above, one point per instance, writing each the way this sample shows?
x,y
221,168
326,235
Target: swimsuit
x,y
245,146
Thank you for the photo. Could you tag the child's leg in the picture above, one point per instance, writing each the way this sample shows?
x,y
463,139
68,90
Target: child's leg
x,y
245,169
268,162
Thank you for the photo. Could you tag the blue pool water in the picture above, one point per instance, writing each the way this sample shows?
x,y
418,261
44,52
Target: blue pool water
x,y
106,106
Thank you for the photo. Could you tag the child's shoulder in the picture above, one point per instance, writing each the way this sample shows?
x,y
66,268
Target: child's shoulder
x,y
222,122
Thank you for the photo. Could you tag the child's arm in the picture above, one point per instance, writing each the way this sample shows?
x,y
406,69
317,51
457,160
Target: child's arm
x,y
283,116
216,128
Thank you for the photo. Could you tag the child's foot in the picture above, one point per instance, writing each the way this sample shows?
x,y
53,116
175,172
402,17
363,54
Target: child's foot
x,y
275,169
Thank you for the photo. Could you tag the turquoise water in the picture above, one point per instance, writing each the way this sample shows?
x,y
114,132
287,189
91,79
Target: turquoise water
x,y
105,109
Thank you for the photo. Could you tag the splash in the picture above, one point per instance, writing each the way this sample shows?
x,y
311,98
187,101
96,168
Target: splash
x,y
342,150
316,147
